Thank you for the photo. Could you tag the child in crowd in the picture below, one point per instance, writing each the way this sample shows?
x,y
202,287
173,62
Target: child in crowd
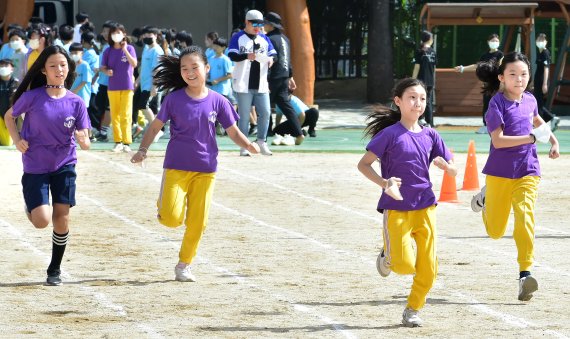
x,y
541,77
405,151
221,70
307,117
83,73
512,168
18,44
208,41
55,119
191,155
8,85
40,38
119,61
424,70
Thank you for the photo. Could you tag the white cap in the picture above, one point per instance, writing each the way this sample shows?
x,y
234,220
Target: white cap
x,y
254,15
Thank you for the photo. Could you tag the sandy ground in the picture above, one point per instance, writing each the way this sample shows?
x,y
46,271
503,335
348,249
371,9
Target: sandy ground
x,y
289,252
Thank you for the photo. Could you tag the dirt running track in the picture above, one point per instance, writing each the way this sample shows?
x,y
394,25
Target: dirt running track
x,y
289,252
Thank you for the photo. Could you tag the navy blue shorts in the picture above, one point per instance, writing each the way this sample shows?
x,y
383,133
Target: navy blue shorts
x,y
36,187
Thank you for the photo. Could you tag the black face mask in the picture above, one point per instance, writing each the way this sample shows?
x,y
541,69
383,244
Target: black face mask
x,y
147,41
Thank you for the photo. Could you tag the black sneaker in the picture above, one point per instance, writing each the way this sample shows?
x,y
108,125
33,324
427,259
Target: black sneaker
x,y
252,130
53,278
312,133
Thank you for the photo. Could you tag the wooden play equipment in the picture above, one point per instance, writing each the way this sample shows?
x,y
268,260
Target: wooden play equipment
x,y
460,93
15,11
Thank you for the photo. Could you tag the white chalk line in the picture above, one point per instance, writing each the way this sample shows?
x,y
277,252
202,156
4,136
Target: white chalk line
x,y
101,298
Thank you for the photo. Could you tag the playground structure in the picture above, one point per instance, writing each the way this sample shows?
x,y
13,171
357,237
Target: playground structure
x,y
518,17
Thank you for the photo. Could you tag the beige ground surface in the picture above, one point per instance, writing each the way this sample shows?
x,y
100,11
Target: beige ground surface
x,y
289,252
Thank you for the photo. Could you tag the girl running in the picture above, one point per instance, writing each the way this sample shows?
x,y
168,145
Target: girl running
x,y
512,168
405,150
55,119
191,155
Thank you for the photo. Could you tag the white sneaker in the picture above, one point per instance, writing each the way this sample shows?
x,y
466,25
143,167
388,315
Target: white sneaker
x,y
382,265
554,123
118,147
263,148
288,140
410,318
277,140
158,136
127,149
527,286
244,153
183,273
482,130
478,201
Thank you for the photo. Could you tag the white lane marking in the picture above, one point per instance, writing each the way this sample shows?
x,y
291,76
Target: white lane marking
x,y
101,298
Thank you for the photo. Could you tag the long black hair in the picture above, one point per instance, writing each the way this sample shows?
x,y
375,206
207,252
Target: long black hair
x,y
383,116
36,78
488,71
167,75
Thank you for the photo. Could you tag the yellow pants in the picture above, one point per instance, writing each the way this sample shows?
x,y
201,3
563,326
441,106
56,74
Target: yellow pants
x,y
400,227
520,194
190,192
121,107
5,139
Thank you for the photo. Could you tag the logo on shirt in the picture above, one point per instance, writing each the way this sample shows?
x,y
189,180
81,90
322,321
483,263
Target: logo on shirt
x,y
124,58
212,116
69,122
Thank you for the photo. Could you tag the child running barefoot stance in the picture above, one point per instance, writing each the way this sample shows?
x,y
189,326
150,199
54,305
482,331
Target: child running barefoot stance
x,y
405,151
512,168
191,155
55,119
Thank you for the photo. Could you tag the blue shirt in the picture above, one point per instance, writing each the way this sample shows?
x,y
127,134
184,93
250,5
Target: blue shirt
x,y
83,74
149,61
210,53
6,52
219,67
103,78
297,104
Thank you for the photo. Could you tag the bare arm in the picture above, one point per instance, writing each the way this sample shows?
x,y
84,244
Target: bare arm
x,y
10,121
241,140
82,137
81,85
365,167
500,140
220,79
449,167
132,60
555,147
416,71
545,83
469,68
155,126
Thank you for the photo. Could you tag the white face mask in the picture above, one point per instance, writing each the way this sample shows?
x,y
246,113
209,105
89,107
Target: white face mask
x,y
5,71
16,45
75,57
117,37
34,43
541,44
493,44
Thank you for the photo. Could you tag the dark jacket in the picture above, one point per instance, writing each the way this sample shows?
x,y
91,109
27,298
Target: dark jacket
x,y
282,60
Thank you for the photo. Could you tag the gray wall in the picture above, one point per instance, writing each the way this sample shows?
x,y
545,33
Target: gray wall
x,y
195,16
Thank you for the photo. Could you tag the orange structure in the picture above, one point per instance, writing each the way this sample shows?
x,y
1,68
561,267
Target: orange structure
x,y
15,12
471,176
297,26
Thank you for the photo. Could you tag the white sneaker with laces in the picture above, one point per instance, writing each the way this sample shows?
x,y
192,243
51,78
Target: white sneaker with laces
x,y
410,318
127,149
288,140
118,147
382,265
263,148
527,286
478,200
277,140
183,273
244,153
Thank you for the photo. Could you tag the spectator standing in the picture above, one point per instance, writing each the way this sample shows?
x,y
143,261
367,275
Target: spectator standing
x,y
425,60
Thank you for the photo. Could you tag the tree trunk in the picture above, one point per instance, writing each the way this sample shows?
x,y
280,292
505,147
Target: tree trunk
x,y
15,12
380,69
297,27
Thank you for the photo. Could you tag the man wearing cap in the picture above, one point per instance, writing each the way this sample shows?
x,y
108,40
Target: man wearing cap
x,y
281,74
252,53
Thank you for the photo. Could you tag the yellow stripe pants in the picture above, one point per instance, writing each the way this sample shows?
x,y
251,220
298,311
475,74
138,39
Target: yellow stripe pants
x,y
400,228
185,197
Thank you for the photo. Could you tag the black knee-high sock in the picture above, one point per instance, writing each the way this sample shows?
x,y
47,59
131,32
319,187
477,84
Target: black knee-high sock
x,y
59,241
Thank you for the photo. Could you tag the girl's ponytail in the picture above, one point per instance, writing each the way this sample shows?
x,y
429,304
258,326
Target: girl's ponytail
x,y
379,119
488,72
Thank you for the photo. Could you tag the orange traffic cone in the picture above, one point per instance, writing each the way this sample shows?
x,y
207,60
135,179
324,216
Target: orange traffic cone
x,y
471,176
448,189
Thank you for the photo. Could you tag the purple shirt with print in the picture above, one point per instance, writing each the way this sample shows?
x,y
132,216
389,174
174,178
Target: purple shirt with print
x,y
192,145
49,128
515,119
116,60
408,155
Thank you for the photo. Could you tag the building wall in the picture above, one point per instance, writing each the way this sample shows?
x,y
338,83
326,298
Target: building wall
x,y
195,16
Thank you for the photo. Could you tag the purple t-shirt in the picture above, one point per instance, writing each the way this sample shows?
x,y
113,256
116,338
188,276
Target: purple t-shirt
x,y
408,155
192,145
115,59
515,119
49,128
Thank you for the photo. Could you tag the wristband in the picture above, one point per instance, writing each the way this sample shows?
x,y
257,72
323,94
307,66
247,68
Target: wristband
x,y
461,68
533,138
